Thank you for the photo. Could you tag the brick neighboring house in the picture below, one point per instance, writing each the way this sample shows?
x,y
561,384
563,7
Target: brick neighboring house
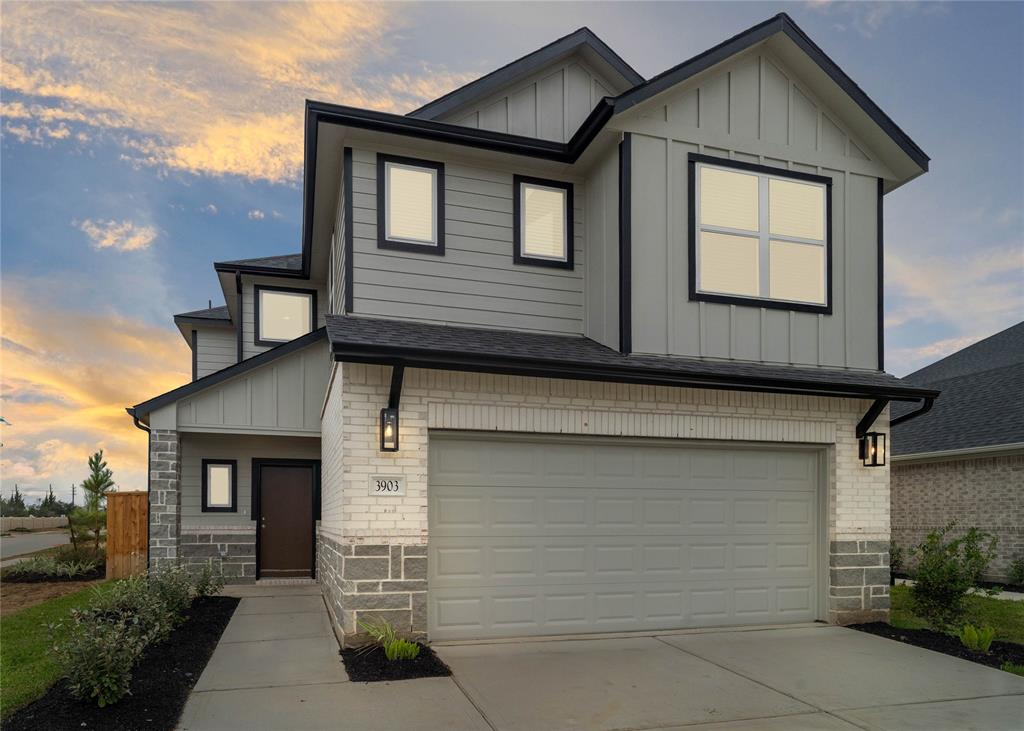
x,y
565,350
964,460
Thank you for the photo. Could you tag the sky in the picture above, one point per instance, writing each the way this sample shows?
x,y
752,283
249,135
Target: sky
x,y
141,142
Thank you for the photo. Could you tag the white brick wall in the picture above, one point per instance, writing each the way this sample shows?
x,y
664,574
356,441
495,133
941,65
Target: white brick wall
x,y
859,496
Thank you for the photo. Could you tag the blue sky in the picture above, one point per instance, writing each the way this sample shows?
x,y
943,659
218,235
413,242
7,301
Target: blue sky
x,y
142,142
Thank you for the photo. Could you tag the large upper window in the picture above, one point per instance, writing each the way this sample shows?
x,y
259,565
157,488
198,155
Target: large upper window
x,y
220,485
410,205
283,314
542,222
760,235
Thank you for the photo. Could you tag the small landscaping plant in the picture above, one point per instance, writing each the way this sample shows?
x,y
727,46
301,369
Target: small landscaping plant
x,y
895,561
1012,667
51,566
395,648
1016,572
977,639
947,570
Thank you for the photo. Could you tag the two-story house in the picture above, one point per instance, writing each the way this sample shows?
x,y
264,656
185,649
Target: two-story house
x,y
565,350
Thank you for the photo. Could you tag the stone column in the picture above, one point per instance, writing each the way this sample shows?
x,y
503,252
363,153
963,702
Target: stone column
x,y
164,498
858,582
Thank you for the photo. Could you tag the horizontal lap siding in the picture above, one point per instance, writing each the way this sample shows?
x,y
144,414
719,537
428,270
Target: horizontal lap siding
x,y
216,348
197,447
751,110
475,282
249,346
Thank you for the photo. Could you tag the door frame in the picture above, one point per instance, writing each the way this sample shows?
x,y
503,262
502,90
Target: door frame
x,y
258,463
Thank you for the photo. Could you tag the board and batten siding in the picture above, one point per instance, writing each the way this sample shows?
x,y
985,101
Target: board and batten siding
x,y
602,260
551,104
751,109
282,397
197,447
475,282
216,349
249,346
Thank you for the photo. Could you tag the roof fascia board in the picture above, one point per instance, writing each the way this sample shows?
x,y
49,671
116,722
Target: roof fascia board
x,y
204,321
221,266
508,365
780,23
267,356
523,66
991,450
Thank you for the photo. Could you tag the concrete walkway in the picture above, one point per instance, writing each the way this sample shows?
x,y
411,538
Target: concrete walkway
x,y
277,667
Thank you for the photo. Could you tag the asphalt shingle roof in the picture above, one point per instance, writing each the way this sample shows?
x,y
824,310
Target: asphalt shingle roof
x,y
208,313
444,345
982,402
283,261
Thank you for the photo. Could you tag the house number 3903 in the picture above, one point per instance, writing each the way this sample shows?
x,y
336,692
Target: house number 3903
x,y
386,485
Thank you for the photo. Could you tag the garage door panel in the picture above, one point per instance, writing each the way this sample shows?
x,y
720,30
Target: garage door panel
x,y
552,536
461,510
506,611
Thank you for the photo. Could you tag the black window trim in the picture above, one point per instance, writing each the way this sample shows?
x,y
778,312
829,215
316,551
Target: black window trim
x,y
696,296
518,256
383,242
257,288
207,508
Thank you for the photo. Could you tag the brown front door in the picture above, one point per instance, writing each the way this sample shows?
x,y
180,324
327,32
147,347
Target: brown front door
x,y
286,521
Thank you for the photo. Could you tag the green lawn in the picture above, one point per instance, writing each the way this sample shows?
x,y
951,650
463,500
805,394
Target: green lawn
x,y
25,665
1007,617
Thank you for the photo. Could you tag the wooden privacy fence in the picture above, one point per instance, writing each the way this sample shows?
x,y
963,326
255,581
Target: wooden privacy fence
x,y
127,533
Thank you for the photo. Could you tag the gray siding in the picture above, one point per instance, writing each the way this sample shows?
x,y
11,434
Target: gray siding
x,y
602,264
753,110
249,346
197,447
281,397
475,282
216,348
550,104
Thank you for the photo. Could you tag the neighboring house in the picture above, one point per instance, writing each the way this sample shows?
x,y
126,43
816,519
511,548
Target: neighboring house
x,y
564,351
964,460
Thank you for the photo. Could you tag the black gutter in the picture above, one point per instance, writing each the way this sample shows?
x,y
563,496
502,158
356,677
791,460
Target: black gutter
x,y
926,406
238,291
229,268
207,321
548,368
212,379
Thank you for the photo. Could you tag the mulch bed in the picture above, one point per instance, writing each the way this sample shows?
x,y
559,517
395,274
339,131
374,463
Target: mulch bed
x,y
368,666
999,652
99,572
160,686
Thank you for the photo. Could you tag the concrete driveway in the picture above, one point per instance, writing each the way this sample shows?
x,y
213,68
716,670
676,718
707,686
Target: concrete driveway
x,y
813,677
277,667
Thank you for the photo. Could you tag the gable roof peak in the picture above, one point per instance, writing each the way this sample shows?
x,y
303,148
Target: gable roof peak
x,y
582,37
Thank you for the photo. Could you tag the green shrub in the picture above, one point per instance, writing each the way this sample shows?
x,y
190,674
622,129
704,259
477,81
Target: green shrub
x,y
207,582
946,572
895,561
97,656
1016,572
395,648
977,639
174,587
134,602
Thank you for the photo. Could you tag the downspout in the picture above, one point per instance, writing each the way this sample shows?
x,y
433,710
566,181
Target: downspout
x,y
879,405
926,406
149,472
238,290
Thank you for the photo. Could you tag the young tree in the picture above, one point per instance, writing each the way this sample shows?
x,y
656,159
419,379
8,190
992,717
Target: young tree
x,y
98,483
14,506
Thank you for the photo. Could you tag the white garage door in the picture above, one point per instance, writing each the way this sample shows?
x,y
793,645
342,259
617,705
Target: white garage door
x,y
545,535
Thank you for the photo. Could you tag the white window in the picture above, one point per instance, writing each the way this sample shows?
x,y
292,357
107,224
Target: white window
x,y
219,486
282,314
760,235
542,231
412,205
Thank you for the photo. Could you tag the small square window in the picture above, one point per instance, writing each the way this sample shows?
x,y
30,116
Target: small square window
x,y
410,205
220,485
283,314
542,228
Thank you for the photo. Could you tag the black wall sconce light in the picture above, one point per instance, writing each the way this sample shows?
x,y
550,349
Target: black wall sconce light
x,y
872,449
389,415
